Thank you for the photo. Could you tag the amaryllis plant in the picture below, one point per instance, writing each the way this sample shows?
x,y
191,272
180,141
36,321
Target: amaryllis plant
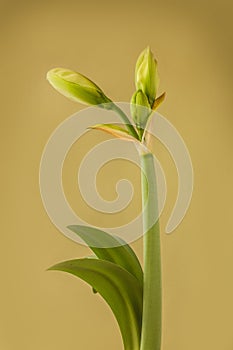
x,y
133,293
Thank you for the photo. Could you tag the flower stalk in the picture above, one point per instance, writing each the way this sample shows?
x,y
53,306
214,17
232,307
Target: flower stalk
x,y
134,295
152,291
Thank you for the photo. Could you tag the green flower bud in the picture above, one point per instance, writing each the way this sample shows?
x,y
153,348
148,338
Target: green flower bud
x,y
140,109
146,75
76,87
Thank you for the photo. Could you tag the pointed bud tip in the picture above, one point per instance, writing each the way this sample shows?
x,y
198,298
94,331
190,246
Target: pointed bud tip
x,y
54,71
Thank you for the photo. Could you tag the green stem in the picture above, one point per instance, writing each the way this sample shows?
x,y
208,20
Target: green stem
x,y
140,133
126,120
152,292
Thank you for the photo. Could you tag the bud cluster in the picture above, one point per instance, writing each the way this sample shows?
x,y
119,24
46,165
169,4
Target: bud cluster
x,y
80,89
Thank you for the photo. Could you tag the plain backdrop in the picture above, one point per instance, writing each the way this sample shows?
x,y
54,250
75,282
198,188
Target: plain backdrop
x,y
192,41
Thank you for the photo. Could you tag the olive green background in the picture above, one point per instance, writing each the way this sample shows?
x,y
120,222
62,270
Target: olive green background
x,y
192,41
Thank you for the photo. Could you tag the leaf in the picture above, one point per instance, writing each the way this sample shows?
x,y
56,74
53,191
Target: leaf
x,y
114,130
158,101
110,248
118,287
92,257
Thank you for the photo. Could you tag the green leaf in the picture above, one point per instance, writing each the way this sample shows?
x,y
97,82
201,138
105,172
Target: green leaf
x,y
120,289
92,257
110,248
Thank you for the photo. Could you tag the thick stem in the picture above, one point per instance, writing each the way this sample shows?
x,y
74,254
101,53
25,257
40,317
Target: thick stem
x,y
125,119
152,294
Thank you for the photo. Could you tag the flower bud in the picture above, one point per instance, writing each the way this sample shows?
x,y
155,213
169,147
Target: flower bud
x,y
146,75
76,87
140,109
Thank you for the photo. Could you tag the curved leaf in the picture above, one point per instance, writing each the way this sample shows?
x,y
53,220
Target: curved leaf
x,y
112,249
115,130
118,287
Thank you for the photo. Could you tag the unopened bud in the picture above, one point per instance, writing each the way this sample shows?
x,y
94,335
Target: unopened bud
x,y
140,109
77,87
146,75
